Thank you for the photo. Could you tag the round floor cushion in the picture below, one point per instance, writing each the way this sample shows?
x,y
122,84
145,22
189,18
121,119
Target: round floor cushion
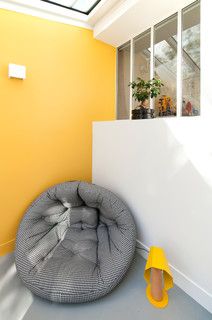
x,y
75,243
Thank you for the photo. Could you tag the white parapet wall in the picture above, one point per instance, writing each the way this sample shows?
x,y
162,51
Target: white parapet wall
x,y
162,168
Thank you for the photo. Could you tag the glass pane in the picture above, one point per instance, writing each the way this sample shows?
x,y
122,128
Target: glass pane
x,y
123,82
191,60
165,59
142,58
84,5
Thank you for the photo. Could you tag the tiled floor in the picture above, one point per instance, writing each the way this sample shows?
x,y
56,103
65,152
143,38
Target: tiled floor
x,y
126,302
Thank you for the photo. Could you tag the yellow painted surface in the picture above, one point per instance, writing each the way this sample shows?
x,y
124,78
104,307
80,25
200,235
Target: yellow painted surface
x,y
46,120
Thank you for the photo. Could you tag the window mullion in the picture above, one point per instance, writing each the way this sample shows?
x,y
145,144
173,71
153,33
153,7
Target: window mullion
x,y
131,74
152,63
179,64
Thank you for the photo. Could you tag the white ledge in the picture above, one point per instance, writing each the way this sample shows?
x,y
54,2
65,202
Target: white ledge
x,y
46,11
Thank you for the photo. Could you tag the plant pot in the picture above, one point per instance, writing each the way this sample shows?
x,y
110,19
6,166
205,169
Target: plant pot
x,y
142,113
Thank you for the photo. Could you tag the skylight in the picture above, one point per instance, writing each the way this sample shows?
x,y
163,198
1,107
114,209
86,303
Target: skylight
x,y
83,6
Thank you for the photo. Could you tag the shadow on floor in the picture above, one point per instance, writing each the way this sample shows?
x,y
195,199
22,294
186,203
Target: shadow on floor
x,y
126,302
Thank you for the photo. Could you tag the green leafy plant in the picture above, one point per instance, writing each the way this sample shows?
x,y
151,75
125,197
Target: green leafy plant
x,y
143,90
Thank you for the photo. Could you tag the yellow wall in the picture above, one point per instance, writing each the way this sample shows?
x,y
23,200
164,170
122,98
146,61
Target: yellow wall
x,y
46,120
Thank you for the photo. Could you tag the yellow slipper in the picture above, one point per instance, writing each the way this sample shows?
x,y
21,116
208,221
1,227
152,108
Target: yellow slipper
x,y
157,261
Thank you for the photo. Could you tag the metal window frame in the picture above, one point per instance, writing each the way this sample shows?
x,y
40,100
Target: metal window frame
x,y
73,9
179,64
152,62
131,74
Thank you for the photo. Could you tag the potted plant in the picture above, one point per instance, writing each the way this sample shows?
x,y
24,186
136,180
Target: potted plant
x,y
142,91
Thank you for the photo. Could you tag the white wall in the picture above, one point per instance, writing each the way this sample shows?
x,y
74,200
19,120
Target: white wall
x,y
163,170
131,17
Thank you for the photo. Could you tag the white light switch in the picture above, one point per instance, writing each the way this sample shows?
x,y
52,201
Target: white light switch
x,y
17,71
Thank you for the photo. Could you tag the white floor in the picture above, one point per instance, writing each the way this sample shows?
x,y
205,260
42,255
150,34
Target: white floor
x,y
126,302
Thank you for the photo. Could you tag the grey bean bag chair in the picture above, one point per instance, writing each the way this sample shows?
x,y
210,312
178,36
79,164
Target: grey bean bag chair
x,y
75,243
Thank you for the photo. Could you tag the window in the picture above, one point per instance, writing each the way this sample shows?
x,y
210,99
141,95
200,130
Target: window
x,y
123,81
191,60
83,6
165,66
142,56
158,53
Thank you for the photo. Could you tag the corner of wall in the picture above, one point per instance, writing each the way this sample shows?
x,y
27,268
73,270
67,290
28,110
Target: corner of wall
x,y
7,247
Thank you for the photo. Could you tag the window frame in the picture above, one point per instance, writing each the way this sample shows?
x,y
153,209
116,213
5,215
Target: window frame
x,y
152,62
73,9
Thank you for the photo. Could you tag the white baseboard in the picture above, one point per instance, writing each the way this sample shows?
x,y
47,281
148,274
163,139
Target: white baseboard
x,y
195,291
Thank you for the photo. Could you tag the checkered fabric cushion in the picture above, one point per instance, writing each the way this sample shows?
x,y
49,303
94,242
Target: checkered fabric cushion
x,y
75,243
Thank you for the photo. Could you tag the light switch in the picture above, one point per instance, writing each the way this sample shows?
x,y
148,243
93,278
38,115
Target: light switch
x,y
17,71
